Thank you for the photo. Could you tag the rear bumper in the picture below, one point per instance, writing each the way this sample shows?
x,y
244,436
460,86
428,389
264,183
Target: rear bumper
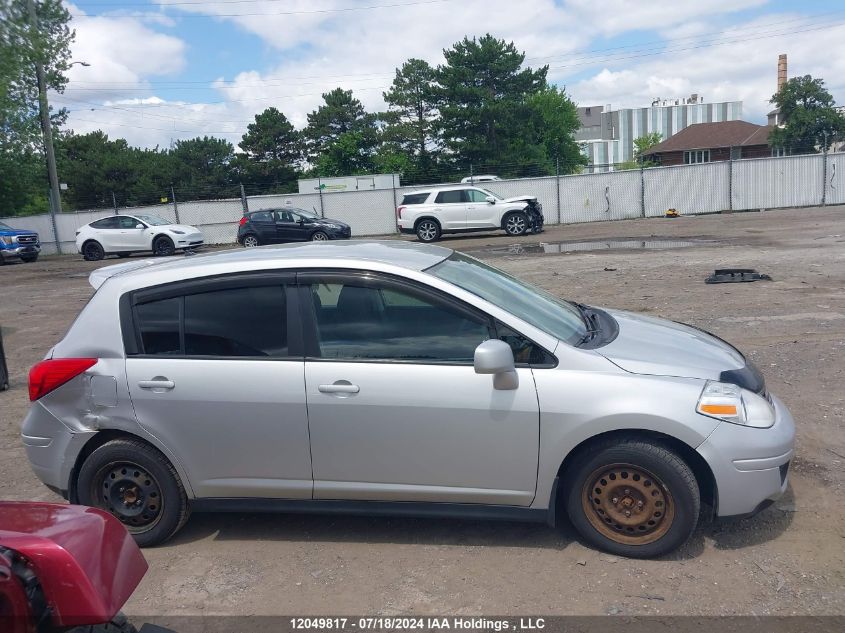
x,y
750,465
406,231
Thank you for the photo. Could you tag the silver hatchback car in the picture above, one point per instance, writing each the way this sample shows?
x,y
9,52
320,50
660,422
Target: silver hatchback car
x,y
391,377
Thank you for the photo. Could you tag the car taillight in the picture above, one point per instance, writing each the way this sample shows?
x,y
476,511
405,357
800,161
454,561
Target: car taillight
x,y
399,213
243,221
51,374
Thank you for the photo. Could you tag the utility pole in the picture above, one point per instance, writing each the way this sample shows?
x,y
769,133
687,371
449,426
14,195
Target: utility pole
x,y
47,131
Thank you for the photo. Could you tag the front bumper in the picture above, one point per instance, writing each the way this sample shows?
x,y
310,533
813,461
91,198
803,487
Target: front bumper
x,y
750,465
20,251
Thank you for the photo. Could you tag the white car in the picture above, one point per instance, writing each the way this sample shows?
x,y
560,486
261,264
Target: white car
x,y
123,235
480,178
429,213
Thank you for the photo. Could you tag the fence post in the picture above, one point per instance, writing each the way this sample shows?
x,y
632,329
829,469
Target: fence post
x,y
244,201
642,189
731,179
114,202
175,204
54,224
557,185
395,202
471,178
824,171
320,190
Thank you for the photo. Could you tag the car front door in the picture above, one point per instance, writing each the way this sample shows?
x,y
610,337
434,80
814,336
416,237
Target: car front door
x,y
480,213
129,237
288,226
450,208
216,374
396,411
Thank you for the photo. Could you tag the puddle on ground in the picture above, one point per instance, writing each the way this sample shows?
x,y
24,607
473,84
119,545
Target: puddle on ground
x,y
556,248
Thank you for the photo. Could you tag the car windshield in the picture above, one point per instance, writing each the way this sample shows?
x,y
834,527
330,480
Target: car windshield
x,y
308,215
153,220
554,316
490,193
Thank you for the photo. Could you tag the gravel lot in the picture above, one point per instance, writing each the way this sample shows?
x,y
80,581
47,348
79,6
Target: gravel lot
x,y
788,560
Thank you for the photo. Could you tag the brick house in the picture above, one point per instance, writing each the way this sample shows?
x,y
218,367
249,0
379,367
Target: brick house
x,y
707,142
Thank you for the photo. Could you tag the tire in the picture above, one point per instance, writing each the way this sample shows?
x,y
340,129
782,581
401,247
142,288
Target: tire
x,y
118,624
319,236
124,254
163,246
428,230
632,498
515,223
92,251
137,484
30,259
250,241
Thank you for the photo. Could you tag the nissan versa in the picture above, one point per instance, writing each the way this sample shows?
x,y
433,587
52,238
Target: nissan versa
x,y
391,377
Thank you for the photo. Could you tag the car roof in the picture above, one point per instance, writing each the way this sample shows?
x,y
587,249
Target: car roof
x,y
410,255
464,185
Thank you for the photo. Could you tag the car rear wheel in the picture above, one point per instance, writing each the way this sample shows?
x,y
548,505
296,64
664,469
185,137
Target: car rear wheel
x,y
428,231
163,246
93,251
137,484
632,498
251,241
319,236
516,223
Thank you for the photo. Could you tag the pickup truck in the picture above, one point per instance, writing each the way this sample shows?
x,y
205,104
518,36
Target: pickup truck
x,y
18,244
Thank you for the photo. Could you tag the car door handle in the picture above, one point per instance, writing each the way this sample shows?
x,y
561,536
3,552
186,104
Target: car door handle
x,y
156,383
339,388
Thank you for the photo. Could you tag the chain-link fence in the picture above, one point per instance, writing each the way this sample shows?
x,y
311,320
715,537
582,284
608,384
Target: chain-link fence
x,y
601,192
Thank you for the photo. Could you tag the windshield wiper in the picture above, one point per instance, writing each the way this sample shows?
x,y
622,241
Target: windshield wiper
x,y
591,321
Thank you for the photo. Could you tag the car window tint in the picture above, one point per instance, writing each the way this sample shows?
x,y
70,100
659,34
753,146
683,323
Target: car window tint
x,y
415,198
105,223
237,322
450,197
525,352
125,222
356,322
158,323
285,216
262,216
477,196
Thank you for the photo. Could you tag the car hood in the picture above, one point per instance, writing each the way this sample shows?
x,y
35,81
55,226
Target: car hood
x,y
325,221
520,199
12,232
185,228
648,345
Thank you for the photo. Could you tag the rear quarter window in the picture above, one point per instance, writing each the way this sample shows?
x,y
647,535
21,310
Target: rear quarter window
x,y
415,198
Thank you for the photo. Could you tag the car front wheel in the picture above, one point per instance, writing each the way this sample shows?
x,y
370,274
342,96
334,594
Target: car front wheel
x,y
163,246
632,498
319,236
516,223
137,484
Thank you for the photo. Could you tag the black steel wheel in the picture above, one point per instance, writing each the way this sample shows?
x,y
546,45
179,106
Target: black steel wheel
x,y
163,246
92,251
138,485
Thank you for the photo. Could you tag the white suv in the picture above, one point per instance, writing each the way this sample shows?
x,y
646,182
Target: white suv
x,y
429,213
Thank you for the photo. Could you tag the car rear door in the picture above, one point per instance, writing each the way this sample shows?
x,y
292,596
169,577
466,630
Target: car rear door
x,y
264,225
450,208
216,373
396,410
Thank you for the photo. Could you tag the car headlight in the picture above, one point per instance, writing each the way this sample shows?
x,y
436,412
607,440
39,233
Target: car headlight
x,y
332,226
728,402
6,240
177,231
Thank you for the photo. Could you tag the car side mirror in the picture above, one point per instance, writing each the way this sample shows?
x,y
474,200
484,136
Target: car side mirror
x,y
496,357
140,226
490,199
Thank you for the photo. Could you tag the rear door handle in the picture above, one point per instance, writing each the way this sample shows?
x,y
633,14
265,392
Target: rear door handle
x,y
156,383
339,388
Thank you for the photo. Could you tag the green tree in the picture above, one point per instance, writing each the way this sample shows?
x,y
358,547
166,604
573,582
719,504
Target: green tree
x,y
273,151
807,109
555,123
23,182
484,104
341,116
204,167
644,143
412,119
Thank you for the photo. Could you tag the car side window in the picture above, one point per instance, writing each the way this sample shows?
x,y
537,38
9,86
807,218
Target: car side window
x,y
284,216
451,197
415,198
262,216
368,321
125,222
525,351
105,223
477,196
237,322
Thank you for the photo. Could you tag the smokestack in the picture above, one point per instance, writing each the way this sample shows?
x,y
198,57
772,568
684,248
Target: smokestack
x,y
781,70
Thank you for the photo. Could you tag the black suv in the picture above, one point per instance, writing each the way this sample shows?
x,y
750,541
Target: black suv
x,y
272,226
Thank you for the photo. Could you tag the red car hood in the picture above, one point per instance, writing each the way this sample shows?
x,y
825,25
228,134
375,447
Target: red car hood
x,y
87,563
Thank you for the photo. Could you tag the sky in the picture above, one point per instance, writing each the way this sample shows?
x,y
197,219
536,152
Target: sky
x,y
163,70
